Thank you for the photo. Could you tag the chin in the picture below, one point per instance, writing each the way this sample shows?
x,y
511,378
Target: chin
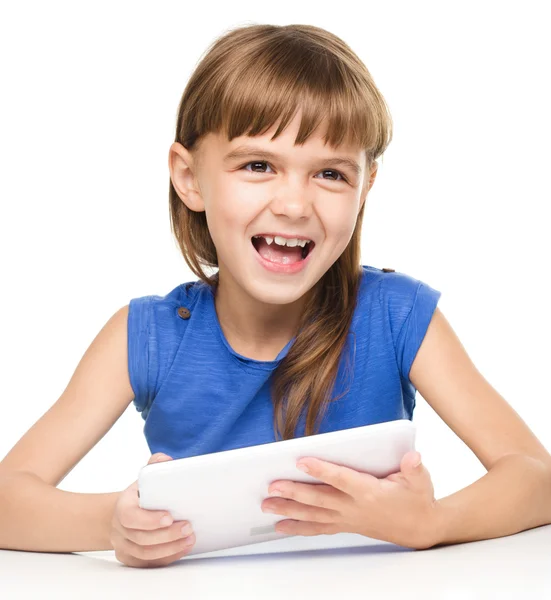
x,y
277,294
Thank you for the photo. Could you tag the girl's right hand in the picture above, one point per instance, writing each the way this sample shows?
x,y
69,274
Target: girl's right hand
x,y
137,535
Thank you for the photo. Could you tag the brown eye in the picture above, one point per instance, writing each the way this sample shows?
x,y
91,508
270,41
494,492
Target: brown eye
x,y
342,177
256,162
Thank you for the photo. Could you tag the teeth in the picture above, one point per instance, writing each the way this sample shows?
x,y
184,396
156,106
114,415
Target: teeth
x,y
281,241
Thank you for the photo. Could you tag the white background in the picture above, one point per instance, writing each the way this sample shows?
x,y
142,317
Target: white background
x,y
88,112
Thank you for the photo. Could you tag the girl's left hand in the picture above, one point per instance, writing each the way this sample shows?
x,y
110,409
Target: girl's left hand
x,y
399,508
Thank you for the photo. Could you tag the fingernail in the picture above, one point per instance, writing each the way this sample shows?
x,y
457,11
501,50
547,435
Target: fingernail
x,y
418,463
186,529
166,521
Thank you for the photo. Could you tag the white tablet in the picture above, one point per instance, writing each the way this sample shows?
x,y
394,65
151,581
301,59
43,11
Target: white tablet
x,y
220,493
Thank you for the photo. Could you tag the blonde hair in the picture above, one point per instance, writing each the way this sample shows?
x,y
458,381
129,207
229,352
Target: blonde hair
x,y
247,80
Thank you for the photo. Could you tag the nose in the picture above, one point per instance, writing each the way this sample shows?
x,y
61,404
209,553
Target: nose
x,y
292,199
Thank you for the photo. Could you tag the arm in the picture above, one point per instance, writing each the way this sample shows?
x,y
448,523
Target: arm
x,y
38,517
34,514
515,493
513,496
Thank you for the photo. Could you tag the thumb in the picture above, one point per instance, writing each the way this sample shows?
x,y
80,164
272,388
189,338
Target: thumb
x,y
159,457
411,464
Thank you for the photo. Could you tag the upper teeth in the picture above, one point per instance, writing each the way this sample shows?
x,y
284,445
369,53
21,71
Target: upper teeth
x,y
281,241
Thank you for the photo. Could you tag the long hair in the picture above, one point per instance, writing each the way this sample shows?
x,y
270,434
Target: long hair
x,y
247,80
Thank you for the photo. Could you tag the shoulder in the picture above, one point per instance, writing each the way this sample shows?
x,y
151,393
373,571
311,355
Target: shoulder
x,y
156,327
158,322
388,285
400,297
393,287
170,308
403,312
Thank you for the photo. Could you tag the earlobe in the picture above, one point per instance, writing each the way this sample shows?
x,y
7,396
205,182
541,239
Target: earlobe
x,y
180,164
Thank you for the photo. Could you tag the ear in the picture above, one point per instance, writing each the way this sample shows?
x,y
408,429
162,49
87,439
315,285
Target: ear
x,y
183,175
372,174
369,181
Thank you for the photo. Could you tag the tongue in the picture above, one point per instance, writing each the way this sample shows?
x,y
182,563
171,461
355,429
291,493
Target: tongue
x,y
276,253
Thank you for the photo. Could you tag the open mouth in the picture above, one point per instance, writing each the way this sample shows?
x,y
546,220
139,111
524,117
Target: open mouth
x,y
291,252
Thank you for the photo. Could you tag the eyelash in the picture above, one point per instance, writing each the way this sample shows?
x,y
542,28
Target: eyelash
x,y
263,162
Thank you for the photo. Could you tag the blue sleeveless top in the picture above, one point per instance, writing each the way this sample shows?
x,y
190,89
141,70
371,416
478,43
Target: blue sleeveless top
x,y
198,396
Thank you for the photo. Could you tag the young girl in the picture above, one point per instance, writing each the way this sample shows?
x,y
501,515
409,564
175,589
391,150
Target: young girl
x,y
278,134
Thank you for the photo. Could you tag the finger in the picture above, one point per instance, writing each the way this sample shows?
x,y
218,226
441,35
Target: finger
x,y
157,536
347,480
132,516
135,517
158,551
313,494
290,527
410,462
414,472
131,561
396,477
158,457
302,512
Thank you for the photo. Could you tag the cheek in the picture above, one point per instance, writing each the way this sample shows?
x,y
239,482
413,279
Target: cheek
x,y
238,203
338,225
339,219
230,209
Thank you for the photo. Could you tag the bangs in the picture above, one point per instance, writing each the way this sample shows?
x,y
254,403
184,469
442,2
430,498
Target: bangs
x,y
269,82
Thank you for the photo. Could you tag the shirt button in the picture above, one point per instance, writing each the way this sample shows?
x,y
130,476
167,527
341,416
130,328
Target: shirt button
x,y
183,312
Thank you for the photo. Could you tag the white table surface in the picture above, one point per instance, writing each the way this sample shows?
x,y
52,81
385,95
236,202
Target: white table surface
x,y
325,566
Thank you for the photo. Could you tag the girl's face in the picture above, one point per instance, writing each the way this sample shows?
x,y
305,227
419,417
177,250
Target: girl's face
x,y
300,190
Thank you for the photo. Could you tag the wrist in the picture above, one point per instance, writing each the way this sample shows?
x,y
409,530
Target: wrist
x,y
433,531
110,501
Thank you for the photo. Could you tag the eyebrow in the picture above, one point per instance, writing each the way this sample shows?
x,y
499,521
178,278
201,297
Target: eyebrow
x,y
244,151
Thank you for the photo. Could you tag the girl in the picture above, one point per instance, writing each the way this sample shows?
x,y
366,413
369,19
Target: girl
x,y
278,134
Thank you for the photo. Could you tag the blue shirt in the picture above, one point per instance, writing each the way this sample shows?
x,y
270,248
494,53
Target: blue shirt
x,y
197,395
